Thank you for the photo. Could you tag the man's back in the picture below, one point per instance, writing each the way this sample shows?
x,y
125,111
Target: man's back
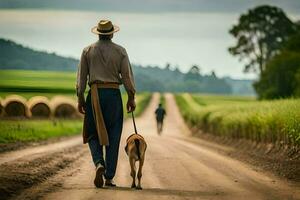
x,y
104,59
160,113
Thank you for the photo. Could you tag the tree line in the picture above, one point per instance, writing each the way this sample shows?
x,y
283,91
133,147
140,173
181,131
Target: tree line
x,y
153,78
148,78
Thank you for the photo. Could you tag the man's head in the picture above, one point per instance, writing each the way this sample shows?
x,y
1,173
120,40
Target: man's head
x,y
105,29
160,105
106,37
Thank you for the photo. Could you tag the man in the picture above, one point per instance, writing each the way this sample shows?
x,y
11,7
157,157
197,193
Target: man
x,y
160,113
105,65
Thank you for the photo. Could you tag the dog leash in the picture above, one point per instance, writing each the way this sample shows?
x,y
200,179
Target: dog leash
x,y
135,130
136,142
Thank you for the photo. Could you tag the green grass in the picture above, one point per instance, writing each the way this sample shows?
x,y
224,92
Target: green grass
x,y
37,79
28,95
220,99
35,130
142,101
261,121
29,83
162,100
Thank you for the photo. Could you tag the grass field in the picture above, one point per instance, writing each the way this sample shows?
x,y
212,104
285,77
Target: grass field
x,y
142,100
162,100
28,95
262,121
37,79
28,83
34,130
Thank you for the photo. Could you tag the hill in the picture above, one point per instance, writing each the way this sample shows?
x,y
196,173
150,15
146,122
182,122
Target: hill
x,y
16,56
149,78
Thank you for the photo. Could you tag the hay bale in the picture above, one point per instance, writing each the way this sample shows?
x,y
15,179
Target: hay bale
x,y
39,107
15,106
64,107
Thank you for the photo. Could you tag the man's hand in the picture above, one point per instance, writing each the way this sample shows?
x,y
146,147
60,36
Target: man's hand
x,y
130,105
81,108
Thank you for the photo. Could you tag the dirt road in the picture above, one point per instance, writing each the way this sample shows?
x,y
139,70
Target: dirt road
x,y
177,167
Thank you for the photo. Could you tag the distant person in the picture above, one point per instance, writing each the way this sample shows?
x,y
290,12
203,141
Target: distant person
x,y
105,65
160,113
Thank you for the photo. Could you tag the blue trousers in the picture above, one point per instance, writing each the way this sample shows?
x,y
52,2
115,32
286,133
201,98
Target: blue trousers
x,y
112,111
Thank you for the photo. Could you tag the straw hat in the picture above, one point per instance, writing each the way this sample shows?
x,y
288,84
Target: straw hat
x,y
105,27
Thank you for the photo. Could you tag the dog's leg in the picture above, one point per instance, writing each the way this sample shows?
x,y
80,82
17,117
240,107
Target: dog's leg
x,y
139,175
133,172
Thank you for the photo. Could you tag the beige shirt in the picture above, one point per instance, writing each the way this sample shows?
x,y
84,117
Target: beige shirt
x,y
104,61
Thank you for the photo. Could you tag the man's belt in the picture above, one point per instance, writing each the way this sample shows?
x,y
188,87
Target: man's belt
x,y
97,112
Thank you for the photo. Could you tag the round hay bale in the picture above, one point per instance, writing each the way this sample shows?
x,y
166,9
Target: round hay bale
x,y
64,107
15,106
39,107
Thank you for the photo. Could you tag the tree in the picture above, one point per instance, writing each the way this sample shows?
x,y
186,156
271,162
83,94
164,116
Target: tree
x,y
282,75
213,74
195,70
193,73
260,34
168,66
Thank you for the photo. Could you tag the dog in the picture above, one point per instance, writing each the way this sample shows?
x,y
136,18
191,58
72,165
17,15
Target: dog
x,y
135,149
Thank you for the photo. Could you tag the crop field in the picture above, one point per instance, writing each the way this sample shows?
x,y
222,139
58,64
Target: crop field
x,y
239,117
37,81
28,84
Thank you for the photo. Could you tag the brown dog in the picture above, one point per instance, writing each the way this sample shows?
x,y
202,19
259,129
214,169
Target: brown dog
x,y
135,148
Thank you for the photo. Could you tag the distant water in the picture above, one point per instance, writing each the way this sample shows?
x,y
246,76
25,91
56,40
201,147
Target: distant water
x,y
182,39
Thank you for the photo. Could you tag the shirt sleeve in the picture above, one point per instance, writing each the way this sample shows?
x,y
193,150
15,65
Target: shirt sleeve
x,y
82,74
127,76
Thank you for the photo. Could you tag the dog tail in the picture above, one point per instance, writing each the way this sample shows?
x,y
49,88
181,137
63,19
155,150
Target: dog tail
x,y
137,144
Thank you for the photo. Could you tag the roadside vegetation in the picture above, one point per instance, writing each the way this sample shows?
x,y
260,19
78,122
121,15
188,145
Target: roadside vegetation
x,y
34,130
162,100
142,101
275,121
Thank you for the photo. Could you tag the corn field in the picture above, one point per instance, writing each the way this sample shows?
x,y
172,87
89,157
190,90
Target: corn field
x,y
261,121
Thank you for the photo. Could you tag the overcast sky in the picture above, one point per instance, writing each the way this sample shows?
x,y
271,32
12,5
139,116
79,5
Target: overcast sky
x,y
152,5
181,32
